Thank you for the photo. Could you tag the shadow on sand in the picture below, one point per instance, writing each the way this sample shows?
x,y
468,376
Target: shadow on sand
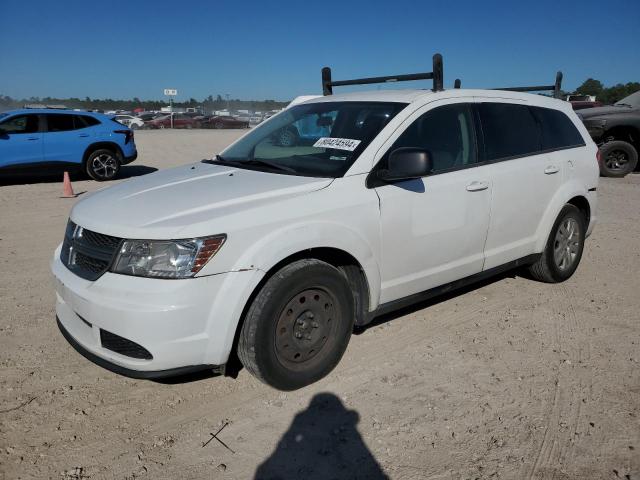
x,y
126,171
322,443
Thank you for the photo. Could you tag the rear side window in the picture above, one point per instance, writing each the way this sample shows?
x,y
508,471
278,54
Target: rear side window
x,y
556,130
509,130
20,124
84,121
59,122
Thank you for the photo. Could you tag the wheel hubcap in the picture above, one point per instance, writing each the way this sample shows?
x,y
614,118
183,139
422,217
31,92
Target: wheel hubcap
x,y
616,160
104,165
305,325
567,244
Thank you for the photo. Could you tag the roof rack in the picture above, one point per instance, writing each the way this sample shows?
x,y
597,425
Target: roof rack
x,y
539,88
437,76
43,106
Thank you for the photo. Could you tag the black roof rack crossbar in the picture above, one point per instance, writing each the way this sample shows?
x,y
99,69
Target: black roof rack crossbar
x,y
538,88
436,75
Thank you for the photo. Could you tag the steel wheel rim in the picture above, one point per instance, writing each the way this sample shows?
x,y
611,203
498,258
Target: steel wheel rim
x,y
616,160
566,244
286,139
305,326
104,165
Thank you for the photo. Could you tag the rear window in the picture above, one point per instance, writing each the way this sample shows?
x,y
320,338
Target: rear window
x,y
509,130
556,129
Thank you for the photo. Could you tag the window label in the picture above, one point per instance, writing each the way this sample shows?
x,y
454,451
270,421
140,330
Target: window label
x,y
337,143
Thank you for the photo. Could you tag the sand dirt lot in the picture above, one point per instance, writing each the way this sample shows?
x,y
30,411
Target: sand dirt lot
x,y
510,379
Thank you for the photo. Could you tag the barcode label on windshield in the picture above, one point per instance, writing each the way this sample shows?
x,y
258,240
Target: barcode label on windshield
x,y
337,143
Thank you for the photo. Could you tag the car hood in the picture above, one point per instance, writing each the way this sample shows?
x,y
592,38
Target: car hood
x,y
185,202
601,111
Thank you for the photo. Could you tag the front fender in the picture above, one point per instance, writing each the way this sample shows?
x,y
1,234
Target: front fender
x,y
293,239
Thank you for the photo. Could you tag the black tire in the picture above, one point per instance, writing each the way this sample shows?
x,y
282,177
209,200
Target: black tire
x,y
618,159
134,126
298,326
103,164
561,256
218,125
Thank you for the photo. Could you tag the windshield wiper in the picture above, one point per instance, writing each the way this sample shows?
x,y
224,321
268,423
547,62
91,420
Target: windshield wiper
x,y
218,160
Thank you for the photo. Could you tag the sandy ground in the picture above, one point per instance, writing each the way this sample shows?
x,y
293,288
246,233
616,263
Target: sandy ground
x,y
511,379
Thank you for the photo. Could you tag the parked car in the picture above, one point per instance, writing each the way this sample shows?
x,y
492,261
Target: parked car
x,y
616,130
179,121
276,252
130,121
223,122
42,140
580,102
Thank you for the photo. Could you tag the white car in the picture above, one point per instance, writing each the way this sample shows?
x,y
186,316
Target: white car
x,y
130,121
274,252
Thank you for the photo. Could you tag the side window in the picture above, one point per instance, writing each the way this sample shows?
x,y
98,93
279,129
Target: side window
x,y
509,130
59,122
557,131
20,124
90,121
79,122
446,133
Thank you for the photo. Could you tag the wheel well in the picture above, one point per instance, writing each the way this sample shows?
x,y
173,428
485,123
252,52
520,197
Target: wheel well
x,y
97,146
626,134
582,204
340,259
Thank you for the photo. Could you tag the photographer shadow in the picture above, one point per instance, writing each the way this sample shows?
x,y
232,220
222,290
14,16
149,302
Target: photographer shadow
x,y
322,443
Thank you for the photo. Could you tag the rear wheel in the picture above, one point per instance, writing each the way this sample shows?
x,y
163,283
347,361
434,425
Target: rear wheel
x,y
298,326
618,159
563,251
103,165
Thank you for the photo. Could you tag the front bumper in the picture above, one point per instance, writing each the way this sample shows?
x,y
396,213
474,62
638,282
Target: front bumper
x,y
185,325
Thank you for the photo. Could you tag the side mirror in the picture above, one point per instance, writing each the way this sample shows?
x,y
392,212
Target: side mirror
x,y
407,163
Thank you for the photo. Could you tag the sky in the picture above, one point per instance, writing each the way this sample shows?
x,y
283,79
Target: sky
x,y
275,49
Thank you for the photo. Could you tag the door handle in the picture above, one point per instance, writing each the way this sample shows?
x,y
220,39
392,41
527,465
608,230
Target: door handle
x,y
477,186
551,169
83,135
33,138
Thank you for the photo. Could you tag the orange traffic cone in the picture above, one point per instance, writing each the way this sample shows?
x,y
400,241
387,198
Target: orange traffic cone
x,y
67,189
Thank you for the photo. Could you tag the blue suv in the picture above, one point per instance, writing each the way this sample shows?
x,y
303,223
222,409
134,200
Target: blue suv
x,y
44,139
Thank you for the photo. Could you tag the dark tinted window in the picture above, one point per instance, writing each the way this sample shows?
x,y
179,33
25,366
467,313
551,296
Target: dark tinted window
x,y
509,130
446,133
557,131
59,122
83,121
20,124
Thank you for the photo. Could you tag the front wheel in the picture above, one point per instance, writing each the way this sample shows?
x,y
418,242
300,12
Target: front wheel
x,y
563,251
102,165
298,326
618,159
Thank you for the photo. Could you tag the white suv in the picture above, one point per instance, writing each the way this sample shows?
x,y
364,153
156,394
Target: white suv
x,y
273,253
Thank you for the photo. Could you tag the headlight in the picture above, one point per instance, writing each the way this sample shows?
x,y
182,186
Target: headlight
x,y
166,258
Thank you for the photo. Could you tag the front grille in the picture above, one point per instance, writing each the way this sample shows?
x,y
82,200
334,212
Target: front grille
x,y
121,345
87,254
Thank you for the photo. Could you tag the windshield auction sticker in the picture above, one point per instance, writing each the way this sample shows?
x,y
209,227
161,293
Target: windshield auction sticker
x,y
337,143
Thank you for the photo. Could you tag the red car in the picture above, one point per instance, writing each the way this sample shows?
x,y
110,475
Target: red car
x,y
179,121
222,122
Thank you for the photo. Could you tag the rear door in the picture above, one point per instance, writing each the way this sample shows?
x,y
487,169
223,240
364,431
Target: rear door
x,y
524,177
67,137
20,140
433,229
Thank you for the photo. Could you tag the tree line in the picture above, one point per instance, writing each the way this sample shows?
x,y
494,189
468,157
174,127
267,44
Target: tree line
x,y
209,103
607,95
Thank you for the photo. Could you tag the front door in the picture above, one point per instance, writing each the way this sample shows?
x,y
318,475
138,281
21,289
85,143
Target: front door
x,y
433,229
20,141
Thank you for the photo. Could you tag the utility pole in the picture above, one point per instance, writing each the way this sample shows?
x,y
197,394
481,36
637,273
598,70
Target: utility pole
x,y
228,103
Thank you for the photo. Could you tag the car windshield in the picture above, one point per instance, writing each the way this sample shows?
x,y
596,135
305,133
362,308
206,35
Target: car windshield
x,y
632,100
320,139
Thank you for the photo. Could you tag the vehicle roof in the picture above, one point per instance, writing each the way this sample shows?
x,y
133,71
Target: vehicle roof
x,y
425,96
55,110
